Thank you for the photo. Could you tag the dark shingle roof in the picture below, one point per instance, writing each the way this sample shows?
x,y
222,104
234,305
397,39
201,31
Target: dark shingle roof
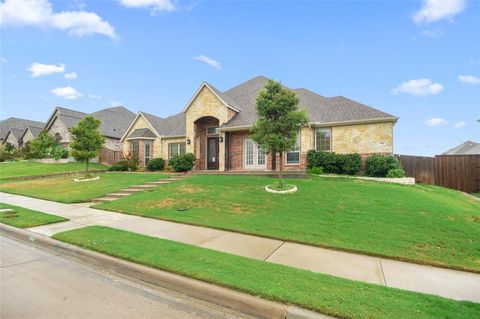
x,y
35,130
17,133
142,132
16,123
171,126
115,121
319,109
467,148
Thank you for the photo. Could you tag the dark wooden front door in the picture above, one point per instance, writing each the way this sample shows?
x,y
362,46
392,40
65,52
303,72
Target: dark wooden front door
x,y
212,153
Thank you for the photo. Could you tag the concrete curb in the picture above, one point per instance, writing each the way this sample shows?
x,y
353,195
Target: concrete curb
x,y
237,301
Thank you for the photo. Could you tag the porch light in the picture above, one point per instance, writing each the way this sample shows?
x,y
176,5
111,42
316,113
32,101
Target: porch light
x,y
220,139
188,141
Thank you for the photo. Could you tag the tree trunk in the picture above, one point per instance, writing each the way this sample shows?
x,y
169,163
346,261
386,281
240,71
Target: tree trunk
x,y
280,172
87,165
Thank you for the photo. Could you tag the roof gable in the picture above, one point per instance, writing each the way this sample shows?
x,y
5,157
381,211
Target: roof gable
x,y
146,117
466,148
17,123
226,100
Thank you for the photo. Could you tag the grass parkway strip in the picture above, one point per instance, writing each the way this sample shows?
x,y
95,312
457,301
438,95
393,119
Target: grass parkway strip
x,y
24,218
422,224
326,294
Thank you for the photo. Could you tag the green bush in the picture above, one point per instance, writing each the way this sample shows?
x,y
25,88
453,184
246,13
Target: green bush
x,y
333,163
156,164
379,165
59,152
116,168
124,165
395,173
133,163
6,155
182,162
316,170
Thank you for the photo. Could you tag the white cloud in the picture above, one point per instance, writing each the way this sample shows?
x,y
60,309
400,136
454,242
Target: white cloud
x,y
209,61
419,87
116,103
66,92
461,124
70,76
155,6
435,10
3,60
40,69
434,34
39,13
94,96
436,121
470,79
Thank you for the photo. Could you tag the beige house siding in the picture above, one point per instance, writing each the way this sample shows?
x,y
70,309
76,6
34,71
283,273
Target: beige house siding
x,y
140,123
363,138
11,140
27,137
60,128
164,145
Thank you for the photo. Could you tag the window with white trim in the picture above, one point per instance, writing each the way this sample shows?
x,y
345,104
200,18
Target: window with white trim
x,y
175,149
323,139
293,156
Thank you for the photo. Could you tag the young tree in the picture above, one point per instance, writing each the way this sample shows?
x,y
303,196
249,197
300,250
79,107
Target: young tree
x,y
86,140
279,120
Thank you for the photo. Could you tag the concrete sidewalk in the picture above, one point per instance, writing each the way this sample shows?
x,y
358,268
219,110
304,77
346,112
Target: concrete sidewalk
x,y
448,283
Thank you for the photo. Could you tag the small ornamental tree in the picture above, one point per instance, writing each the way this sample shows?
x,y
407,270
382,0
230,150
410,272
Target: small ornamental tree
x,y
279,121
86,140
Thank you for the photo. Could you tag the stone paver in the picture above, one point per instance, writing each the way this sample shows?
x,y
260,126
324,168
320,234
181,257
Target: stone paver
x,y
336,263
433,280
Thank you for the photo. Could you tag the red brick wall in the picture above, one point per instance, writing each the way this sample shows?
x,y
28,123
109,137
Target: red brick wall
x,y
236,142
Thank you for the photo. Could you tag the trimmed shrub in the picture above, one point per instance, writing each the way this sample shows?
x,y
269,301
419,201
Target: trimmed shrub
x,y
333,163
316,170
116,168
123,165
379,165
395,173
156,164
182,162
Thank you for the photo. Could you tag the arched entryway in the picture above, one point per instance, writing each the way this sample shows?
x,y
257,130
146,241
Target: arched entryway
x,y
206,143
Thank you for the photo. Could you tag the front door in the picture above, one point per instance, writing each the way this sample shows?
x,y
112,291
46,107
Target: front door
x,y
212,153
255,157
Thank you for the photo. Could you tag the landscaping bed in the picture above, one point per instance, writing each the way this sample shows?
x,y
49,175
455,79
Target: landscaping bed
x,y
66,190
422,224
24,218
323,293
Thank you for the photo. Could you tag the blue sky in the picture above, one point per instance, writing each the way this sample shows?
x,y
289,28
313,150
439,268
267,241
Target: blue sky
x,y
419,60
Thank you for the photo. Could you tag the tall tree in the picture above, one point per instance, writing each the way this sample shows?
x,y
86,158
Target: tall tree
x,y
279,120
86,140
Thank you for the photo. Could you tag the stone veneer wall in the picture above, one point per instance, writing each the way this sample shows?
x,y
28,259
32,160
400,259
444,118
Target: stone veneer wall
x,y
205,104
363,138
27,137
113,144
157,143
58,127
11,140
165,142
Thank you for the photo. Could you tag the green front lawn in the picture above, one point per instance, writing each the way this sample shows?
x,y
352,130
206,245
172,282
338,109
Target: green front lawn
x,y
64,189
23,218
422,224
327,294
17,169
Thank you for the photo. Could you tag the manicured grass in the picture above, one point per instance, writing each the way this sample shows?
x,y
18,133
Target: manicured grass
x,y
327,294
23,218
17,169
422,224
64,189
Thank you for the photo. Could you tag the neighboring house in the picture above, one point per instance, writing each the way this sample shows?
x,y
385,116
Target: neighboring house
x,y
29,134
467,148
12,129
114,122
215,125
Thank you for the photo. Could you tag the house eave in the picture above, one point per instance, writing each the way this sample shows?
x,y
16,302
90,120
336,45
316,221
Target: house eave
x,y
213,91
353,122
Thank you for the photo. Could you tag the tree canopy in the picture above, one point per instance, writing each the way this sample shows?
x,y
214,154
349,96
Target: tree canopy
x,y
86,140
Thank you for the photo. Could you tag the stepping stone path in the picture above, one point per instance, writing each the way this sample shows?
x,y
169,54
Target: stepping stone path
x,y
136,188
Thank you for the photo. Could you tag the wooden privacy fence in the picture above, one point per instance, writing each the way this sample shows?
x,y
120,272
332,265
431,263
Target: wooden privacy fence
x,y
460,172
109,157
